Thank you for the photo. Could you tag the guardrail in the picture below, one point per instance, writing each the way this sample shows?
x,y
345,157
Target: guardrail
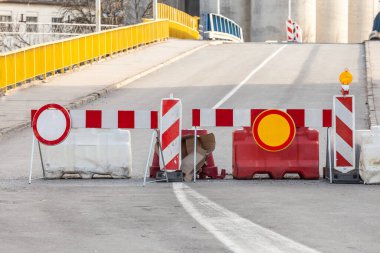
x,y
181,24
221,28
40,61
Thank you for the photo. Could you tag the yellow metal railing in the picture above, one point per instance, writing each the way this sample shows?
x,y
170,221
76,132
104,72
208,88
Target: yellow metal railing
x,y
181,24
20,66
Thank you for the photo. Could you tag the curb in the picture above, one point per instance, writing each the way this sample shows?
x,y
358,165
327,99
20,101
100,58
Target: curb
x,y
370,95
103,92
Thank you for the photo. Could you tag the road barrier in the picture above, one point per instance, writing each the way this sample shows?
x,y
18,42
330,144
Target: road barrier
x,y
269,125
51,125
293,32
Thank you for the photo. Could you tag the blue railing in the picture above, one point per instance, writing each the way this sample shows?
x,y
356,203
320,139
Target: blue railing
x,y
219,27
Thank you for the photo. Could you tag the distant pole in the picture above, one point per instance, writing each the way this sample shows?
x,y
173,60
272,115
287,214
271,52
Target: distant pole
x,y
155,16
290,9
98,16
218,7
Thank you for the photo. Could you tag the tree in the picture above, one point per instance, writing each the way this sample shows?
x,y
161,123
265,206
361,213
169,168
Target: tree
x,y
114,12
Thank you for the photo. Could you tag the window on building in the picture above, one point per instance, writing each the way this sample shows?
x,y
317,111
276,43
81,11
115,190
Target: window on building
x,y
31,27
5,27
55,28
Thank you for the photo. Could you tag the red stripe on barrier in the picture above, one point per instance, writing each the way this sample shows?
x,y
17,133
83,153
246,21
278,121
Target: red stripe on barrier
x,y
255,113
346,101
340,161
173,164
170,134
154,120
327,118
344,131
298,116
93,119
126,119
32,113
196,117
167,105
224,117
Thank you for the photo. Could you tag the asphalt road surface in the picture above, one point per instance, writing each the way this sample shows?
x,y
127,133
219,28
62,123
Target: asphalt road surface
x,y
210,216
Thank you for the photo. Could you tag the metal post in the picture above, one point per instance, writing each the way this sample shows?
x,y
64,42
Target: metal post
x,y
195,154
329,152
218,7
155,16
31,160
149,156
290,9
98,15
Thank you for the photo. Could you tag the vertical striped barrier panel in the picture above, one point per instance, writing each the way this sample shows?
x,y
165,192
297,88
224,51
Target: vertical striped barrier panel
x,y
290,30
170,134
344,140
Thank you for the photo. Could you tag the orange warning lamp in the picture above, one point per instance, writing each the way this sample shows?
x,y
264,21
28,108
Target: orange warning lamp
x,y
345,79
273,130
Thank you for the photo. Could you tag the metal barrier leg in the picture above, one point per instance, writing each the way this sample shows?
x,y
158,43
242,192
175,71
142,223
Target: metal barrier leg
x,y
42,161
149,156
329,150
31,160
195,154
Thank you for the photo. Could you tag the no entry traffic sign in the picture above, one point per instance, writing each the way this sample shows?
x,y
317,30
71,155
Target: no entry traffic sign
x,y
51,124
273,130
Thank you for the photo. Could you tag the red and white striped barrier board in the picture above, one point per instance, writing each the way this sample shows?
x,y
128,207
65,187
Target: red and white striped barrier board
x,y
344,133
170,133
298,33
112,119
246,117
290,30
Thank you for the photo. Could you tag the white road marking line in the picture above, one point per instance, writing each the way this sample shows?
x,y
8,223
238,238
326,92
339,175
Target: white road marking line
x,y
253,72
236,233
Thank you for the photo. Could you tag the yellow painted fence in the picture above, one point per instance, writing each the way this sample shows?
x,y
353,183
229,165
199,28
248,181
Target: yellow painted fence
x,y
181,24
38,61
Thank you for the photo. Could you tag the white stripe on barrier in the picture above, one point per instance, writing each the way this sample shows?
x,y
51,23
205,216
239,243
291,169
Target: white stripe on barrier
x,y
78,118
344,114
110,119
170,117
314,117
142,119
344,149
242,117
208,117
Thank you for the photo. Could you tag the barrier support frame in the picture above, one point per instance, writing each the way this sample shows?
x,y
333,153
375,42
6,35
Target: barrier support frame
x,y
32,159
155,135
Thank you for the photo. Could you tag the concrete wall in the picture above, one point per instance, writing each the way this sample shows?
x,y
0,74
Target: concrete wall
x,y
361,16
268,18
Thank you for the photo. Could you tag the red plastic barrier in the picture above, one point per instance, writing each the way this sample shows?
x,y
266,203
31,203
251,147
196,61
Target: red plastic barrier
x,y
301,157
209,170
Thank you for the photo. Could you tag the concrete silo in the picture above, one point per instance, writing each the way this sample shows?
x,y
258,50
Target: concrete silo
x,y
240,12
361,15
332,21
268,19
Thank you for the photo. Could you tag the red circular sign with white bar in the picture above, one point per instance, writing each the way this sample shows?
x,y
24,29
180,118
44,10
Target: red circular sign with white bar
x,y
51,124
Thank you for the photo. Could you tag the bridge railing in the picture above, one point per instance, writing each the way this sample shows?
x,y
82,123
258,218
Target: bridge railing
x,y
41,61
181,24
219,27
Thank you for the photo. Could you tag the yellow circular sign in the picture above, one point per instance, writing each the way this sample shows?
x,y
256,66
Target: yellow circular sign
x,y
273,130
345,77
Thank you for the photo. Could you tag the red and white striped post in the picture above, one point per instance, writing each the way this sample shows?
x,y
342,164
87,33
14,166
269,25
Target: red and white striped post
x,y
290,30
344,133
170,133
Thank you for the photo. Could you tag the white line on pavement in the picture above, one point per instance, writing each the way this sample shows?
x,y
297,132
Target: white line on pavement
x,y
236,233
253,72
